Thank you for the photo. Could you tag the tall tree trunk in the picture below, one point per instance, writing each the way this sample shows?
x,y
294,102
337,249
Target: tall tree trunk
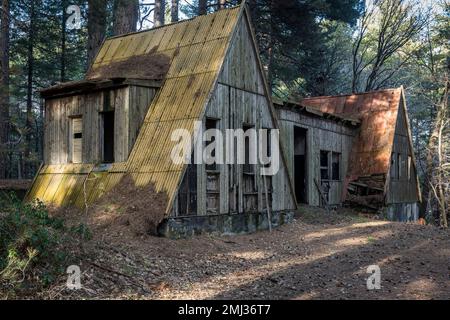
x,y
174,10
221,4
125,16
202,7
433,150
440,173
62,73
271,45
96,27
159,13
30,67
4,87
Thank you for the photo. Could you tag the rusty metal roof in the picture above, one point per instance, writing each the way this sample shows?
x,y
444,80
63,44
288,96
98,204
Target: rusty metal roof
x,y
290,104
377,111
195,50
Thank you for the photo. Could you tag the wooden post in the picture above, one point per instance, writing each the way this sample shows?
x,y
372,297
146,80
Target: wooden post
x,y
269,214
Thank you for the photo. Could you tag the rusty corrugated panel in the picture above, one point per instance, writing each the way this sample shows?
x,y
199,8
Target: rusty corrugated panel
x,y
377,111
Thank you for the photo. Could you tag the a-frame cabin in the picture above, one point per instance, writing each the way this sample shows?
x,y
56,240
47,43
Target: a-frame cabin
x,y
142,87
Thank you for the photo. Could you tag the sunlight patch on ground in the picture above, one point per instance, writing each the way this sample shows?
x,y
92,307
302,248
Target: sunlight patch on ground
x,y
388,259
369,224
307,296
342,230
325,233
350,242
419,288
251,255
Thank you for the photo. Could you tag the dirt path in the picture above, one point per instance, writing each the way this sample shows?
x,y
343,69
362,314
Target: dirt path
x,y
316,257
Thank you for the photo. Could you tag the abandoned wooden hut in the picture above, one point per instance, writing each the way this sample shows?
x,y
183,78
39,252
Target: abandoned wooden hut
x,y
352,148
142,87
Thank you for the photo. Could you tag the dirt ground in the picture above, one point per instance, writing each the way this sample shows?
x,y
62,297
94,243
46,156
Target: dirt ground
x,y
319,256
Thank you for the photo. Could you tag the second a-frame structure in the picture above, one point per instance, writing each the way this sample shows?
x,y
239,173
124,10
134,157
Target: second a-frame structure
x,y
142,87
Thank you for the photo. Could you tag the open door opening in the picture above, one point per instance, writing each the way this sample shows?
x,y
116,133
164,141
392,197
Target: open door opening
x,y
108,136
300,151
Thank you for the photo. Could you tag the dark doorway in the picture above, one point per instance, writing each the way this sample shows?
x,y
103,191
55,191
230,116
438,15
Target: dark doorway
x,y
108,136
300,152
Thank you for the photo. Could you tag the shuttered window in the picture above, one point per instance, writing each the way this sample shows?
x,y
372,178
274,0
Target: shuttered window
x,y
76,139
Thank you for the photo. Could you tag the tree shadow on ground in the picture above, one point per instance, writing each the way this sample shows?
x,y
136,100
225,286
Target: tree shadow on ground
x,y
411,267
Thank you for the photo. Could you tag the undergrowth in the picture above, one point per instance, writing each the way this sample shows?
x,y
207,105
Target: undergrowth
x,y
35,249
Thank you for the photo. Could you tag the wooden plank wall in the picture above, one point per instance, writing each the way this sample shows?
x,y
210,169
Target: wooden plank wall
x,y
239,99
322,134
402,190
130,105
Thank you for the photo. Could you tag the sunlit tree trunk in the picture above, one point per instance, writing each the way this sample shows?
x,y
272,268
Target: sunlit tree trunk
x,y
159,13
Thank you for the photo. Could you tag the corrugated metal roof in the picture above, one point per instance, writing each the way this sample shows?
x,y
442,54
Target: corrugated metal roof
x,y
196,49
377,111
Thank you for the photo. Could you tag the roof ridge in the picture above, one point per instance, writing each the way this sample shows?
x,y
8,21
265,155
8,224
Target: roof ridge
x,y
351,94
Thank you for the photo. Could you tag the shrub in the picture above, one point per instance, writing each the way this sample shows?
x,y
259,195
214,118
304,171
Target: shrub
x,y
33,246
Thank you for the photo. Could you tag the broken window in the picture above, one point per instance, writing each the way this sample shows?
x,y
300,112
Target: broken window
x,y
330,165
324,169
399,166
394,167
335,166
76,139
249,177
211,124
249,168
108,136
212,173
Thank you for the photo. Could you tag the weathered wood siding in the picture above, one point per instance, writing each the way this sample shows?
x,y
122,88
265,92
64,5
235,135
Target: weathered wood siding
x,y
322,134
403,189
238,100
130,105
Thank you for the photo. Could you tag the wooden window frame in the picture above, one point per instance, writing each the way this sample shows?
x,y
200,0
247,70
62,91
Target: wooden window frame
x,y
212,168
71,138
329,166
102,115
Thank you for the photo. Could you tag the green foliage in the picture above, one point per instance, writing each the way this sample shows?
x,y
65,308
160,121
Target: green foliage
x,y
82,231
308,40
33,246
37,40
